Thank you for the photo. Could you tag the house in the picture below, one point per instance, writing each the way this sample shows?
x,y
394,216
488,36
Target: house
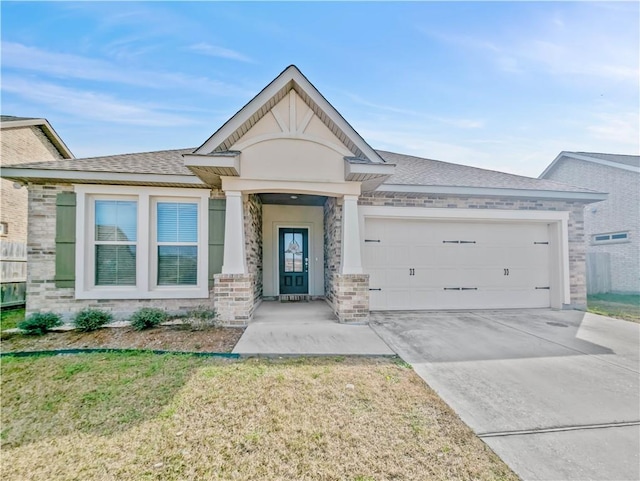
x,y
286,200
22,140
611,226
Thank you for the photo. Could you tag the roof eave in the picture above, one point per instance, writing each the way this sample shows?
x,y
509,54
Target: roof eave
x,y
586,197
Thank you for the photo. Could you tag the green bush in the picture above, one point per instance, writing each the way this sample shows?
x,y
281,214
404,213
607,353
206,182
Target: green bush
x,y
39,322
92,319
147,317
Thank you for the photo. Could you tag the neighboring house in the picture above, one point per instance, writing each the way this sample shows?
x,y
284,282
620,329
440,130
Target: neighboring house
x,y
612,226
287,200
22,140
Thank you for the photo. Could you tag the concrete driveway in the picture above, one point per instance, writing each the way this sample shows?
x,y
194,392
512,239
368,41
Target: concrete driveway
x,y
556,394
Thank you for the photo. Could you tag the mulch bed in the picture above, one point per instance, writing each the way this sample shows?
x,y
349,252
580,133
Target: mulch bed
x,y
170,338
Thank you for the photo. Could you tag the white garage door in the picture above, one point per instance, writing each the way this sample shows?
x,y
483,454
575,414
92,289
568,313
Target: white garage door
x,y
416,264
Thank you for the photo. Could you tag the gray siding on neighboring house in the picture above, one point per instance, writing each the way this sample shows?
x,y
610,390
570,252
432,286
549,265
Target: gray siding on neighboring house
x,y
576,224
619,213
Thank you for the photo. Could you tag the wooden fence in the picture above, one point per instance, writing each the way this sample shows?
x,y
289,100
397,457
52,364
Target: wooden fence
x,y
598,273
13,273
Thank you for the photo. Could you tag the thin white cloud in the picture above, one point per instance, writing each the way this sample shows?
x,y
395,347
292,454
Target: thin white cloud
x,y
61,65
462,123
580,41
89,105
622,128
220,52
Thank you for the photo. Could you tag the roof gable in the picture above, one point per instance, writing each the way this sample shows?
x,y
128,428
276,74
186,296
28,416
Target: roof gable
x,y
618,161
12,122
263,103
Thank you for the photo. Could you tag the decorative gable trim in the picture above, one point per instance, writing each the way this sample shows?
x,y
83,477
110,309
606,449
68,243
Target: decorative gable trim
x,y
290,79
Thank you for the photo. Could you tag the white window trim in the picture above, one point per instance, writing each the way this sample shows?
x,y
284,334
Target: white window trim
x,y
145,287
595,242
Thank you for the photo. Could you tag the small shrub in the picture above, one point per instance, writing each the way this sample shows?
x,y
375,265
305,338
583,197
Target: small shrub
x,y
40,322
201,317
92,319
147,317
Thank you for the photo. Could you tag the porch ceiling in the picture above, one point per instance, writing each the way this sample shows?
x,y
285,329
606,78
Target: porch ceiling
x,y
293,199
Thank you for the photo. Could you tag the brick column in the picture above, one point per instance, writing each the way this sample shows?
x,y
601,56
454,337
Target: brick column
x,y
351,303
233,298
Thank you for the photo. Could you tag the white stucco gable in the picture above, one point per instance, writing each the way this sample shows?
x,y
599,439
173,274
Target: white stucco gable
x,y
288,132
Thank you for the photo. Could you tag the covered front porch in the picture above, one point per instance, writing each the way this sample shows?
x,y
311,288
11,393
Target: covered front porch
x,y
294,245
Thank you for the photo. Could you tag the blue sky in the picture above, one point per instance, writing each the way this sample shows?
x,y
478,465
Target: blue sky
x,y
503,85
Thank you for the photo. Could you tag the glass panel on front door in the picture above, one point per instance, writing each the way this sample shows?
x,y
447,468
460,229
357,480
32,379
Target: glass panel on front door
x,y
294,260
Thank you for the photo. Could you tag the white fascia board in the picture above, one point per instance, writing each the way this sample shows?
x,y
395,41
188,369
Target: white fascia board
x,y
379,169
335,116
493,192
114,177
588,158
225,161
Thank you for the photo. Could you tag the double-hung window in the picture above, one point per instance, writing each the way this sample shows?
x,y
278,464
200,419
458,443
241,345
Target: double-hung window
x,y
115,234
141,243
176,243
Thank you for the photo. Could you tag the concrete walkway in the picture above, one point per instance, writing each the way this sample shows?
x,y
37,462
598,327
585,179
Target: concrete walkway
x,y
306,328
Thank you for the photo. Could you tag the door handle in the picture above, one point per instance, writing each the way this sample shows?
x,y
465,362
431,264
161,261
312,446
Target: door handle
x,y
306,264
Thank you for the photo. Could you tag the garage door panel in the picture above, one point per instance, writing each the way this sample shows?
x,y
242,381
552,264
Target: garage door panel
x,y
482,265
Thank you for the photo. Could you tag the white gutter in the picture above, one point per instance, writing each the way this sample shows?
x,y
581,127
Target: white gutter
x,y
105,177
493,192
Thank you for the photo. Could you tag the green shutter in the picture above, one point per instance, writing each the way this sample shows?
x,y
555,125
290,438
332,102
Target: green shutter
x,y
217,209
65,239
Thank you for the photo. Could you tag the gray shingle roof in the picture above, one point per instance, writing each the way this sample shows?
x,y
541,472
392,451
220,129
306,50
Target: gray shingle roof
x,y
411,170
163,162
13,118
632,160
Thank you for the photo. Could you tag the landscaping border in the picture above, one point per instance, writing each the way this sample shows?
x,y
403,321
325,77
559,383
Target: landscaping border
x,y
63,352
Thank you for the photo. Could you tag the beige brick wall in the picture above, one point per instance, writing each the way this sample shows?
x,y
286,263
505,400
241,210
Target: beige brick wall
x,y
18,146
576,223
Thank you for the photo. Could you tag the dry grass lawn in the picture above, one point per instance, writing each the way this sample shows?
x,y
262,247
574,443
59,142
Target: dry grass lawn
x,y
171,417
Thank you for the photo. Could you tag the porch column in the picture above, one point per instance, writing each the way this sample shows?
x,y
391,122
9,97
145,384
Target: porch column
x,y
351,261
234,261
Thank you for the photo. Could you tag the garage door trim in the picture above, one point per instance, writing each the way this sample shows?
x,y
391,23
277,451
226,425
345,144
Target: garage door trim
x,y
558,220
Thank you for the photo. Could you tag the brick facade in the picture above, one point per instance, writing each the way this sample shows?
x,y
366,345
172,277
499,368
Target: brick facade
x,y
619,213
235,297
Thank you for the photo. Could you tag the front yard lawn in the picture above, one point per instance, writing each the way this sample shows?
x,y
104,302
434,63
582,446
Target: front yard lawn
x,y
143,416
621,306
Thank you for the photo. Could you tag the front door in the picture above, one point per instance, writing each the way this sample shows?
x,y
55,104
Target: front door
x,y
293,248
